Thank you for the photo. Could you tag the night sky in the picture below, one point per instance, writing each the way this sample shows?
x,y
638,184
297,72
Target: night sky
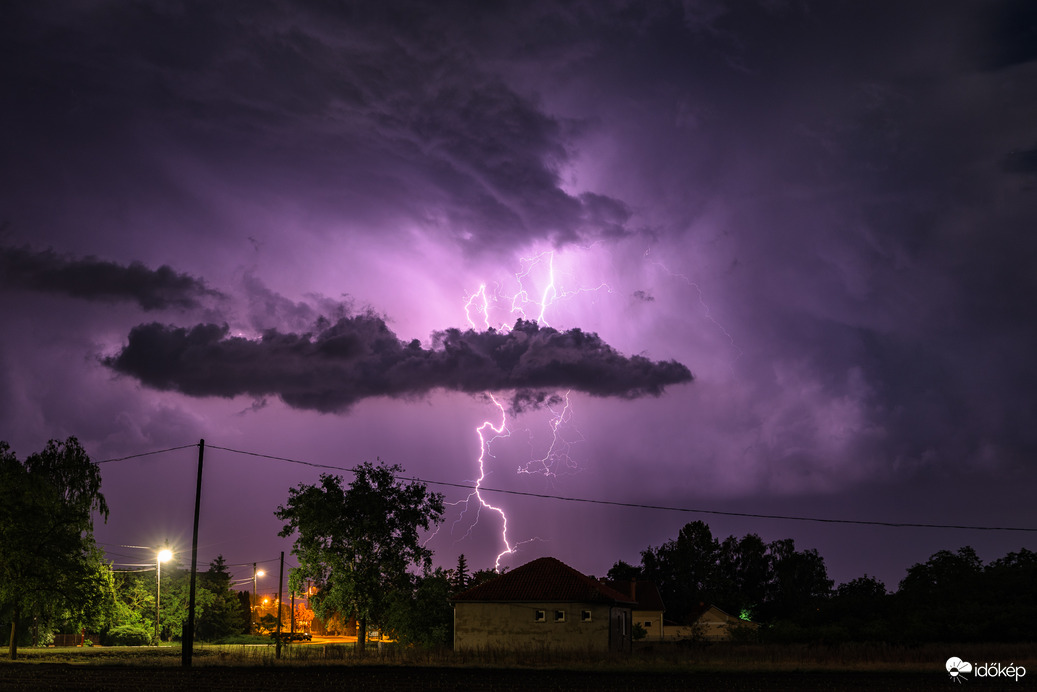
x,y
770,257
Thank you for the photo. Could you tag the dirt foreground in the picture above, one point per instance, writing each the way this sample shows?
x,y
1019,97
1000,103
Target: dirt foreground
x,y
46,677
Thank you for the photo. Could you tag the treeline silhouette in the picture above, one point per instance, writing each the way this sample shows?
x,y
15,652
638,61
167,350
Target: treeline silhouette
x,y
952,596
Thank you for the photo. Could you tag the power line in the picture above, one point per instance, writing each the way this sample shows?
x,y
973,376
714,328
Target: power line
x,y
286,459
610,503
732,514
636,505
144,454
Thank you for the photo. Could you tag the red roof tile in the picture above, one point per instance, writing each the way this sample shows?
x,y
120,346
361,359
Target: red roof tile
x,y
643,592
545,579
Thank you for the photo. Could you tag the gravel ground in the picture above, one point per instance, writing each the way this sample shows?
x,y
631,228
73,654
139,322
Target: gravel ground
x,y
19,676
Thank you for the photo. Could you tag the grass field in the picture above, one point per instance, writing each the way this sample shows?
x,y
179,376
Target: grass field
x,y
650,667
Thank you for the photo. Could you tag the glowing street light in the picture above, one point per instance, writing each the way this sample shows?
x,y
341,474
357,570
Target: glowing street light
x,y
164,555
255,575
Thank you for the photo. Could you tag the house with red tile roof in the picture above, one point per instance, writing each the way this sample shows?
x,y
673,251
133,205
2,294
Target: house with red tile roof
x,y
544,604
648,609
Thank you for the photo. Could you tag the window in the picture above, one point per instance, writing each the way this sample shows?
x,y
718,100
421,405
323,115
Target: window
x,y
559,616
585,615
648,623
540,616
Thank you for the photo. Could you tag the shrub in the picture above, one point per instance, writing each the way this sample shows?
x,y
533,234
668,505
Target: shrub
x,y
128,635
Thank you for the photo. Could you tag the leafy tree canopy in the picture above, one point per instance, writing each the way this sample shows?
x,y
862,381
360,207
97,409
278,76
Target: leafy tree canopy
x,y
49,562
423,615
357,544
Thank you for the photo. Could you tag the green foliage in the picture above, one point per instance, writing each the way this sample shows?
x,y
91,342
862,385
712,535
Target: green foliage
x,y
460,577
267,624
217,610
135,601
128,635
216,605
50,567
356,545
244,609
638,632
423,616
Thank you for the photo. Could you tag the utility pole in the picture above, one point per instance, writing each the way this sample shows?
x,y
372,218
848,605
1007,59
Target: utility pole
x,y
252,616
280,580
187,644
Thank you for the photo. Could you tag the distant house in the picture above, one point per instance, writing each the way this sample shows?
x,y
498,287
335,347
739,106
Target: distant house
x,y
648,609
709,623
544,604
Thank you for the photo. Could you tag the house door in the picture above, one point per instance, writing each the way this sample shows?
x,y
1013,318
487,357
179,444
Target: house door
x,y
619,630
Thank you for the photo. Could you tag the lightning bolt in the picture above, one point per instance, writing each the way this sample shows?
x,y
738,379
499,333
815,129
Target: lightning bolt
x,y
557,457
702,302
522,303
547,296
478,306
484,451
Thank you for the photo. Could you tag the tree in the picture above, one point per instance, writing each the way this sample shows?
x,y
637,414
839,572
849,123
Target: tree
x,y
460,578
423,615
859,607
1012,602
623,572
49,562
357,544
799,580
484,575
222,616
743,574
135,602
683,569
941,598
244,611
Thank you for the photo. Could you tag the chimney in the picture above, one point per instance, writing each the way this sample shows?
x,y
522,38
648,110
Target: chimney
x,y
633,590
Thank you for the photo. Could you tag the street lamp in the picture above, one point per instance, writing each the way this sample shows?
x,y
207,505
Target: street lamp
x,y
163,556
255,575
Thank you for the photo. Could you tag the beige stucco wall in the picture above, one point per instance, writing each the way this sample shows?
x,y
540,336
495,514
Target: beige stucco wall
x,y
654,620
713,625
481,625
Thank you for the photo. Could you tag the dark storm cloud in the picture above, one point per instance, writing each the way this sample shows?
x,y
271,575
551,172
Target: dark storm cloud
x,y
352,110
90,278
1007,34
1022,161
643,296
360,357
533,400
268,309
